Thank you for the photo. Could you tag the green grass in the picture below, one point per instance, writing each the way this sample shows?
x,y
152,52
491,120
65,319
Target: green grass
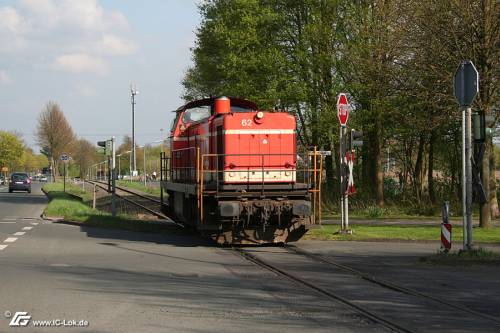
x,y
70,188
410,233
64,205
73,209
140,187
475,256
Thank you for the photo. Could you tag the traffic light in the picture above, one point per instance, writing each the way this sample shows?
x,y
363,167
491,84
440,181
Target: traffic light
x,y
356,139
102,144
481,126
106,145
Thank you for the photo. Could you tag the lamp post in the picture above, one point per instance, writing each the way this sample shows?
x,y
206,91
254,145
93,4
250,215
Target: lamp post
x,y
161,137
133,92
119,162
144,151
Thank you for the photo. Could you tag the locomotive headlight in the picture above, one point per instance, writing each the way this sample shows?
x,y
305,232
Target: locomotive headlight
x,y
259,115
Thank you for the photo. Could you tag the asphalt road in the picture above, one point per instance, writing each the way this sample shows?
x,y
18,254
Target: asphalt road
x,y
122,281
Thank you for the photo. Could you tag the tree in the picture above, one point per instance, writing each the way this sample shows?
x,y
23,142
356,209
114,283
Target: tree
x,y
11,151
394,58
54,134
85,154
449,31
34,162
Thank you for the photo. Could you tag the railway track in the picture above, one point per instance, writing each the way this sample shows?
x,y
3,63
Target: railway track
x,y
387,323
390,323
388,284
149,205
144,202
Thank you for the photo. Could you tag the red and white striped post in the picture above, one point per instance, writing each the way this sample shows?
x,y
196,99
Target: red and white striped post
x,y
445,229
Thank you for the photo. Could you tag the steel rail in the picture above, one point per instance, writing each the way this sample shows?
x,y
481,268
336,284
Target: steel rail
x,y
132,192
387,284
155,213
369,314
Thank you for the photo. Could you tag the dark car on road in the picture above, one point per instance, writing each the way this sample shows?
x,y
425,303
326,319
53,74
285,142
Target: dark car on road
x,y
20,182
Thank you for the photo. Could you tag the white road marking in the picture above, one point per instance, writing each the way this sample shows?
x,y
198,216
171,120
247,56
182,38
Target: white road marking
x,y
3,247
60,265
34,223
27,228
19,233
7,222
10,240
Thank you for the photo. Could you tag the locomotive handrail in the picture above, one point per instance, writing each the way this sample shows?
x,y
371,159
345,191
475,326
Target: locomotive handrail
x,y
313,183
187,165
312,180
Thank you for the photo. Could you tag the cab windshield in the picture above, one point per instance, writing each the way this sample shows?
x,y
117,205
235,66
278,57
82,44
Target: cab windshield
x,y
196,114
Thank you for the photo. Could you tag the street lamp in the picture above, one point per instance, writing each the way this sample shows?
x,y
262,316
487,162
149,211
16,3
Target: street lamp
x,y
133,92
144,151
119,163
161,136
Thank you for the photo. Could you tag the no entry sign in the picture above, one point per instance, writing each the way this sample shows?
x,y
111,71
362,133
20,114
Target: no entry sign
x,y
342,109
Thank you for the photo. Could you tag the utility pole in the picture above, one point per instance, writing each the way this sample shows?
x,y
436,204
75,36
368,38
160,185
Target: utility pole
x,y
145,174
161,137
133,92
113,176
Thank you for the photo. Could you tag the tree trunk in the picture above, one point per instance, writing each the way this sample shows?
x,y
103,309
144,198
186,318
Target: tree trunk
x,y
378,170
492,182
430,178
331,169
417,184
53,164
484,209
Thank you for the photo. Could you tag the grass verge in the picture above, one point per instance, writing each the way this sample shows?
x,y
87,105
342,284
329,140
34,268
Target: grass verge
x,y
73,209
475,256
406,233
140,187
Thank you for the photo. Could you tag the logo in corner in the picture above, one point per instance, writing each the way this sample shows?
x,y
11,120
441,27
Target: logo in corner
x,y
20,319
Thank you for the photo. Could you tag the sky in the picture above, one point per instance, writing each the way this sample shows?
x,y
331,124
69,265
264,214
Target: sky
x,y
84,54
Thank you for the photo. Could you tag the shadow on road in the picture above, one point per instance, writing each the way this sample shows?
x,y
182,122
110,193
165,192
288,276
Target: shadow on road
x,y
167,234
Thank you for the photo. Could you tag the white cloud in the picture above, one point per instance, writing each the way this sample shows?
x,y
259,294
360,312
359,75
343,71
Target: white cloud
x,y
85,91
4,78
114,45
80,63
84,14
11,21
12,28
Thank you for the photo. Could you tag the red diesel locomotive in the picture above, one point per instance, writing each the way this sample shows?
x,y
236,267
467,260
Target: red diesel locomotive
x,y
234,174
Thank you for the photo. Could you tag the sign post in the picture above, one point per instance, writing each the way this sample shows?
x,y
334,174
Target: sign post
x,y
465,87
64,158
343,115
113,176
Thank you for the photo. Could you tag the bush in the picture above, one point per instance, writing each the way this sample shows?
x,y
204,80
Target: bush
x,y
374,212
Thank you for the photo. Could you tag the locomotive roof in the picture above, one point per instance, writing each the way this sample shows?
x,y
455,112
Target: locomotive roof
x,y
208,101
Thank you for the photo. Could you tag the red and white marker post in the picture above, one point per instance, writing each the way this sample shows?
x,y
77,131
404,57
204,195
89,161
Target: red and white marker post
x,y
343,115
445,229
